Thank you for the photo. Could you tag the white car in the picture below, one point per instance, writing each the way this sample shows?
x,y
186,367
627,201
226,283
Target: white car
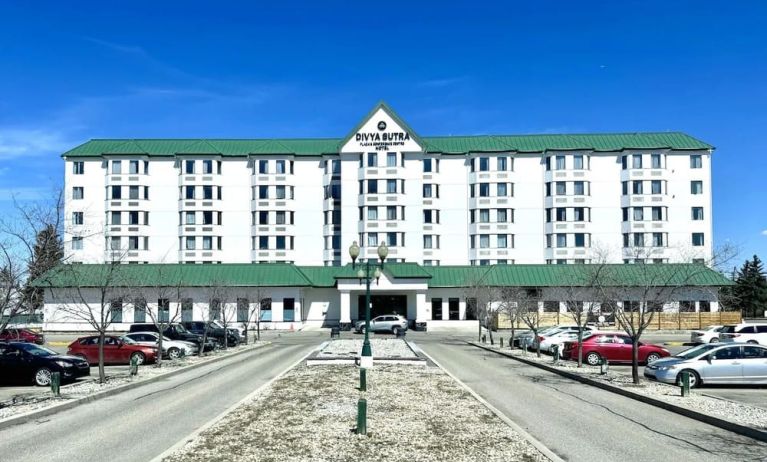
x,y
527,339
542,336
755,333
172,349
708,335
558,339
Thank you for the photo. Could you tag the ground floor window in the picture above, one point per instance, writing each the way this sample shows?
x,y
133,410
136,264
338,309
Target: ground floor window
x,y
243,310
436,309
116,310
452,309
163,310
187,310
288,309
471,309
266,309
139,310
551,307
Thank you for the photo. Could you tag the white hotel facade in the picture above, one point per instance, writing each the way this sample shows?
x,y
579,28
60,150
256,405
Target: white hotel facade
x,y
435,201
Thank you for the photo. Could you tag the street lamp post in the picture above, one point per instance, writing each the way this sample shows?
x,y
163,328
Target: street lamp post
x,y
367,272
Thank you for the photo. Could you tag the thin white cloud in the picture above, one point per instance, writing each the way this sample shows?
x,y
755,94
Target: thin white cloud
x,y
764,232
441,82
28,142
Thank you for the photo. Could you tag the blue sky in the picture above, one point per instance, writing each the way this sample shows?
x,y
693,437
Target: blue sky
x,y
74,71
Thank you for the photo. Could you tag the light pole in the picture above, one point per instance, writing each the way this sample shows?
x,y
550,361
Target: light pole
x,y
367,272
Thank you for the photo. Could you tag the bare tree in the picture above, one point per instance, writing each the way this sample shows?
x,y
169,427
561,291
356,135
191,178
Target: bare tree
x,y
529,313
216,295
509,298
479,299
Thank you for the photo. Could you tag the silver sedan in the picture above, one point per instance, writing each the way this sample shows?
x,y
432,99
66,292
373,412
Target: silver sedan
x,y
713,364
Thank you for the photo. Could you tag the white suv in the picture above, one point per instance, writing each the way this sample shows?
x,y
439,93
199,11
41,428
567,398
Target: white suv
x,y
389,323
744,333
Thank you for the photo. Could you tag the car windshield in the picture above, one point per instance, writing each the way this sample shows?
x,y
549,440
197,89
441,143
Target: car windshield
x,y
696,351
728,329
216,324
180,328
36,350
128,340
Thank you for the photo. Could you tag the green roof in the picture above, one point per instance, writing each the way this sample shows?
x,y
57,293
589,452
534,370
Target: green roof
x,y
288,275
605,142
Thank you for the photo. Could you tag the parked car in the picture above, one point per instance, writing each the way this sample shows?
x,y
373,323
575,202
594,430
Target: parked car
x,y
527,338
23,362
21,335
755,333
713,364
393,323
172,349
174,331
557,340
559,330
216,331
116,350
708,335
615,347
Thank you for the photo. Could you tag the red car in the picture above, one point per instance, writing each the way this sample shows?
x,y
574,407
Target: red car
x,y
12,334
615,347
116,350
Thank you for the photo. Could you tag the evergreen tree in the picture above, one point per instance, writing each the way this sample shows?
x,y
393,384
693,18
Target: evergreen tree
x,y
48,252
750,290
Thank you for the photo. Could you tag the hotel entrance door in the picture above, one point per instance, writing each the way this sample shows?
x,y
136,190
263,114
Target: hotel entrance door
x,y
383,304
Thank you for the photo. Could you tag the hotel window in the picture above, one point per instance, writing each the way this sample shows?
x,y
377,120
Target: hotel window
x,y
77,218
372,239
625,185
579,214
372,186
657,214
427,165
501,216
636,187
372,213
116,192
207,167
579,188
428,242
696,187
191,243
484,241
372,159
560,162
189,167
77,243
657,239
207,243
279,217
427,190
116,167
263,192
638,240
502,241
502,164
279,192
391,159
207,192
578,162
625,211
391,212
207,217
280,243
133,167
548,163
133,217
189,192
263,167
638,213
190,218
561,188
78,168
580,240
484,189
697,239
696,161
502,189
431,216
133,192
263,242
391,186
548,189
561,214
484,215
484,164
263,217
561,240
132,242
656,187
391,239
280,167
77,192
114,243
655,159
626,239
624,162
697,213
636,161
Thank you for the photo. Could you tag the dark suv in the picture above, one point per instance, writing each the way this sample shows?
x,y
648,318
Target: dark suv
x,y
174,331
216,331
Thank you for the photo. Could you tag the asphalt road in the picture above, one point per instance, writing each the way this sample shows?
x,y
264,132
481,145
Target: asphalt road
x,y
583,423
141,423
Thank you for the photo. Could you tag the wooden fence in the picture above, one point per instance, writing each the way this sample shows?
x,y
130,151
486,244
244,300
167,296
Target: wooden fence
x,y
660,321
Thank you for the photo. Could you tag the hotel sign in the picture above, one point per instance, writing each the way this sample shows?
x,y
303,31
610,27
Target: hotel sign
x,y
382,140
380,132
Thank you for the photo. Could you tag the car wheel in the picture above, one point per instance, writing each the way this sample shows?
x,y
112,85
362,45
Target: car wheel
x,y
140,357
362,330
43,377
694,378
714,340
652,357
395,330
593,359
174,353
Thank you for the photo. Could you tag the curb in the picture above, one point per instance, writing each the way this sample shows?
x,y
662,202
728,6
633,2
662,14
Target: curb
x,y
32,415
742,430
548,453
181,443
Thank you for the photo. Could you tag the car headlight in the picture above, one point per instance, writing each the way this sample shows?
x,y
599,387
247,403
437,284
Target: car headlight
x,y
667,368
64,364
